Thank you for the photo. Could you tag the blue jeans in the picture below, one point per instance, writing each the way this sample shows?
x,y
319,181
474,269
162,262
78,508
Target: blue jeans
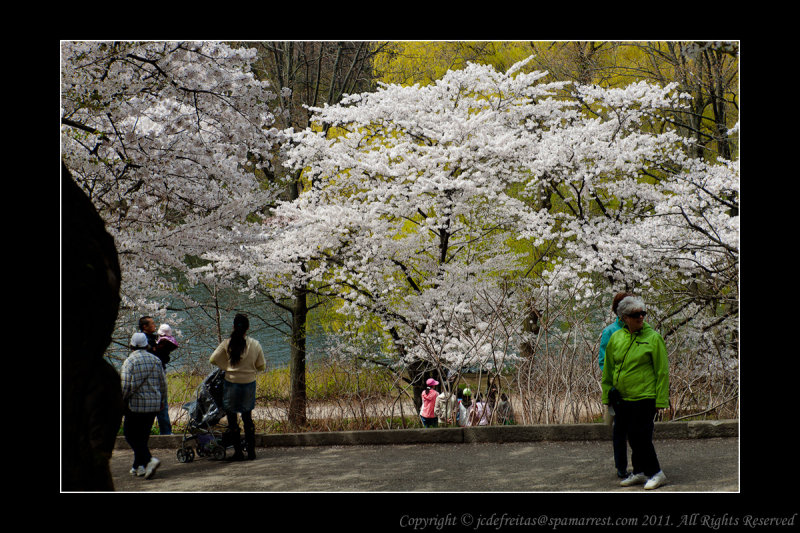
x,y
164,425
429,422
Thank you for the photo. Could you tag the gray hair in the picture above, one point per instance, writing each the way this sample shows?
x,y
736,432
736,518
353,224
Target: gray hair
x,y
629,304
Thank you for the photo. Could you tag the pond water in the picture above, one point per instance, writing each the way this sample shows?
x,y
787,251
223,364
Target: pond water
x,y
198,333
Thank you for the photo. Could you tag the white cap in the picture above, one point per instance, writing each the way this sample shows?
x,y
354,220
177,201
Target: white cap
x,y
139,340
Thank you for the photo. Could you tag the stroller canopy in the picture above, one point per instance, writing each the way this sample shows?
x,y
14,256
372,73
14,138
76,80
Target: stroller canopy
x,y
206,410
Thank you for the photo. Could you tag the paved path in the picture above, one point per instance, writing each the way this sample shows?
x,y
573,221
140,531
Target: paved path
x,y
691,465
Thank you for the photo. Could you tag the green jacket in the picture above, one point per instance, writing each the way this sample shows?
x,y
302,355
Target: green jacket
x,y
636,365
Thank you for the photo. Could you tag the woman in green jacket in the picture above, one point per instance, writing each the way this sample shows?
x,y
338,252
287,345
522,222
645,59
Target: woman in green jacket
x,y
617,437
636,383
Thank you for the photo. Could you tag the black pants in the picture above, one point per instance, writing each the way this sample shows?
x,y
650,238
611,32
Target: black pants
x,y
233,434
136,429
620,448
247,422
635,420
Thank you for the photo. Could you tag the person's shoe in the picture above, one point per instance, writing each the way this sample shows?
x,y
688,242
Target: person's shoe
x,y
237,456
633,479
152,465
137,471
250,446
656,481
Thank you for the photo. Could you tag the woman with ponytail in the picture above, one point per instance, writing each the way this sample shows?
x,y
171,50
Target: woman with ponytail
x,y
241,357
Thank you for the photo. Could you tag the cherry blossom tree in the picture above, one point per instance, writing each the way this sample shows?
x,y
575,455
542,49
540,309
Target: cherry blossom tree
x,y
424,204
167,139
448,215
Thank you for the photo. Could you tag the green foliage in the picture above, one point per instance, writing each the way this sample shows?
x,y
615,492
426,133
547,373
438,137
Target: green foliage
x,y
424,62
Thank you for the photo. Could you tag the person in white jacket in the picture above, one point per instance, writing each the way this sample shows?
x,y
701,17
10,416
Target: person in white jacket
x,y
445,407
241,357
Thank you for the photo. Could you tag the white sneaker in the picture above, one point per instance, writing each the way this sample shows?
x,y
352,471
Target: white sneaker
x,y
137,471
633,479
151,467
656,481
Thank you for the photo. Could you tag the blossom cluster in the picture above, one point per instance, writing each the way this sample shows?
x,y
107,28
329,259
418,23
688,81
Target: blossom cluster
x,y
164,137
420,201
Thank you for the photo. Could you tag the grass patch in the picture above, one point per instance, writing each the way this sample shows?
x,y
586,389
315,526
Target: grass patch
x,y
323,382
338,424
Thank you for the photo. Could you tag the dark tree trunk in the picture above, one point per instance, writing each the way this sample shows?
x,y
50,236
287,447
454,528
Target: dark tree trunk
x,y
297,362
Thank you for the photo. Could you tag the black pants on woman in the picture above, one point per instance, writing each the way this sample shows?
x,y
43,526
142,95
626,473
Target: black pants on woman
x,y
234,436
635,419
620,449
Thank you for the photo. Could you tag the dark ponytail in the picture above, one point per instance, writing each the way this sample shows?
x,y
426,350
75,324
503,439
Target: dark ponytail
x,y
237,343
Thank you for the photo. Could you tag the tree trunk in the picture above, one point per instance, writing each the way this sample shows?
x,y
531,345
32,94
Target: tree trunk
x,y
297,344
297,361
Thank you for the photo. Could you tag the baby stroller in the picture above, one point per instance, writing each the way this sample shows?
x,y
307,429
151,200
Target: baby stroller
x,y
205,412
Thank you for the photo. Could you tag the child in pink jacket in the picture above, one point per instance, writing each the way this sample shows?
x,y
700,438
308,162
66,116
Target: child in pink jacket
x,y
426,414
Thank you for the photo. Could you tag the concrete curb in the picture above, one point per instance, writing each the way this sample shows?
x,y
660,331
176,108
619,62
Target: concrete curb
x,y
702,429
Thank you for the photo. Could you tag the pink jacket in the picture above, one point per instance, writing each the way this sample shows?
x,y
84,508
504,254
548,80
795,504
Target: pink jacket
x,y
428,403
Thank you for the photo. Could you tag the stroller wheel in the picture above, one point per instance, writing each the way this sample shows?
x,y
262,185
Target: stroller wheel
x,y
185,455
219,453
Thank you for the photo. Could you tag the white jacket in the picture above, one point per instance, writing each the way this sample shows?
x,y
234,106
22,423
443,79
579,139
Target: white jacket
x,y
445,406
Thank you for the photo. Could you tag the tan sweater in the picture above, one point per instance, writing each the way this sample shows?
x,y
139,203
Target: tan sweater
x,y
252,361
